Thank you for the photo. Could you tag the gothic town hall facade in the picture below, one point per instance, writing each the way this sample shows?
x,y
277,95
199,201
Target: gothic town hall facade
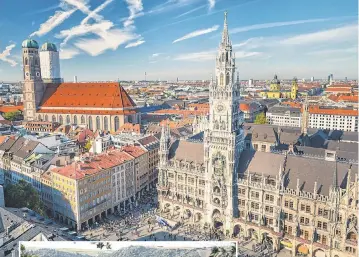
x,y
306,204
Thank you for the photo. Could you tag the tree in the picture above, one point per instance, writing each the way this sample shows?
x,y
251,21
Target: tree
x,y
11,116
88,145
100,245
260,118
22,195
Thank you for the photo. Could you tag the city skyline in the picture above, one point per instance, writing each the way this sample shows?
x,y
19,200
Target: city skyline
x,y
170,39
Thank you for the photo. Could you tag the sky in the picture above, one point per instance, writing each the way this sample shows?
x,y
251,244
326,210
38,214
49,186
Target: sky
x,y
169,39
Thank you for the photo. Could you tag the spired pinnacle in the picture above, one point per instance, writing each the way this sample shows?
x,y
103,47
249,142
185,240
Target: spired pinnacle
x,y
225,35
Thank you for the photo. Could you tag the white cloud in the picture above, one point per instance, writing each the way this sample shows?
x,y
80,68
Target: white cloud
x,y
134,44
198,56
4,56
107,36
342,34
171,5
68,53
52,22
110,39
191,11
325,52
84,29
83,7
273,25
211,4
135,7
211,55
155,55
197,33
94,13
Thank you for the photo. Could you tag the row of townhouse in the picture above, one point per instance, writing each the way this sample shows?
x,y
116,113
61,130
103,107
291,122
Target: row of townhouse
x,y
87,190
79,191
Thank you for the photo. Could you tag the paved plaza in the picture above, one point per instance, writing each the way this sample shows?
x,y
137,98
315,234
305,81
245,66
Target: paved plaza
x,y
139,224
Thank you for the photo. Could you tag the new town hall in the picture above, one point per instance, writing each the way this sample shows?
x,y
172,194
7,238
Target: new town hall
x,y
307,204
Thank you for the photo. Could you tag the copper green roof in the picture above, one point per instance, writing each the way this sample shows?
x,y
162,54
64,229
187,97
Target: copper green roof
x,y
30,43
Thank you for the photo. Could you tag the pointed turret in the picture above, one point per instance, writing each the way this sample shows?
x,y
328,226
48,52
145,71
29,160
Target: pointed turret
x,y
335,177
164,141
349,177
225,35
305,118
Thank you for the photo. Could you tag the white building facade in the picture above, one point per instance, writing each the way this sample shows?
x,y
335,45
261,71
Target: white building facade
x,y
50,63
284,116
334,120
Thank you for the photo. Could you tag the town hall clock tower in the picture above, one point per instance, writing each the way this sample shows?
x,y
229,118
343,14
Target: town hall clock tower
x,y
224,138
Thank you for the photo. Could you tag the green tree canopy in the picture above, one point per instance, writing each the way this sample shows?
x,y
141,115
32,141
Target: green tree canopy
x,y
88,145
22,195
260,118
11,116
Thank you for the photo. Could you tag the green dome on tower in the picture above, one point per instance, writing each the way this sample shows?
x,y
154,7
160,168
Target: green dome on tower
x,y
30,43
49,47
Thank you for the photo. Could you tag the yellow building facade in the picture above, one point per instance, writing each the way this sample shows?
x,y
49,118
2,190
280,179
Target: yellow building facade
x,y
275,91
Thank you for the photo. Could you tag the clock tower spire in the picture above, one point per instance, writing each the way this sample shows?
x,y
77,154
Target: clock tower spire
x,y
224,138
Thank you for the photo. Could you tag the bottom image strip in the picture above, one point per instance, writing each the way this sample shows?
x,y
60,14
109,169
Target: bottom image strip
x,y
127,249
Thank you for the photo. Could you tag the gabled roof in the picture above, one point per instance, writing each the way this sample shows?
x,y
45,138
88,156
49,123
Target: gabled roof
x,y
307,170
189,151
82,95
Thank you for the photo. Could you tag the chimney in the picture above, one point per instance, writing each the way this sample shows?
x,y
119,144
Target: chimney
x,y
75,79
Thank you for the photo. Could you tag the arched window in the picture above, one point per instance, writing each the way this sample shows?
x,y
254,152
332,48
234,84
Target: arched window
x,y
221,78
105,123
75,119
61,121
26,61
227,57
90,123
227,79
39,117
129,119
117,123
36,61
68,120
46,118
53,118
98,123
82,119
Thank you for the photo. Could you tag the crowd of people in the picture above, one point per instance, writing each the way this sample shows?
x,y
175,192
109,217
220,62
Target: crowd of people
x,y
140,223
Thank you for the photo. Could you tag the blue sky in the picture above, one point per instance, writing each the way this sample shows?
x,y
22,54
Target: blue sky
x,y
111,39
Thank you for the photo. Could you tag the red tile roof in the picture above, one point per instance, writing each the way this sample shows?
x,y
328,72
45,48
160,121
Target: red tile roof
x,y
129,127
94,112
184,113
133,150
93,165
11,108
100,95
315,109
344,98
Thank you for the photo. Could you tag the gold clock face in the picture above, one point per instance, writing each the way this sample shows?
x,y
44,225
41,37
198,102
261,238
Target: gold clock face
x,y
220,108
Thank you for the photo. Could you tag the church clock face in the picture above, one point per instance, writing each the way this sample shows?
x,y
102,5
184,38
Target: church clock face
x,y
220,108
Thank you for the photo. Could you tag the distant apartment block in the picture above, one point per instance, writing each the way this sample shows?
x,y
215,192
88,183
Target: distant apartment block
x,y
332,118
284,116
